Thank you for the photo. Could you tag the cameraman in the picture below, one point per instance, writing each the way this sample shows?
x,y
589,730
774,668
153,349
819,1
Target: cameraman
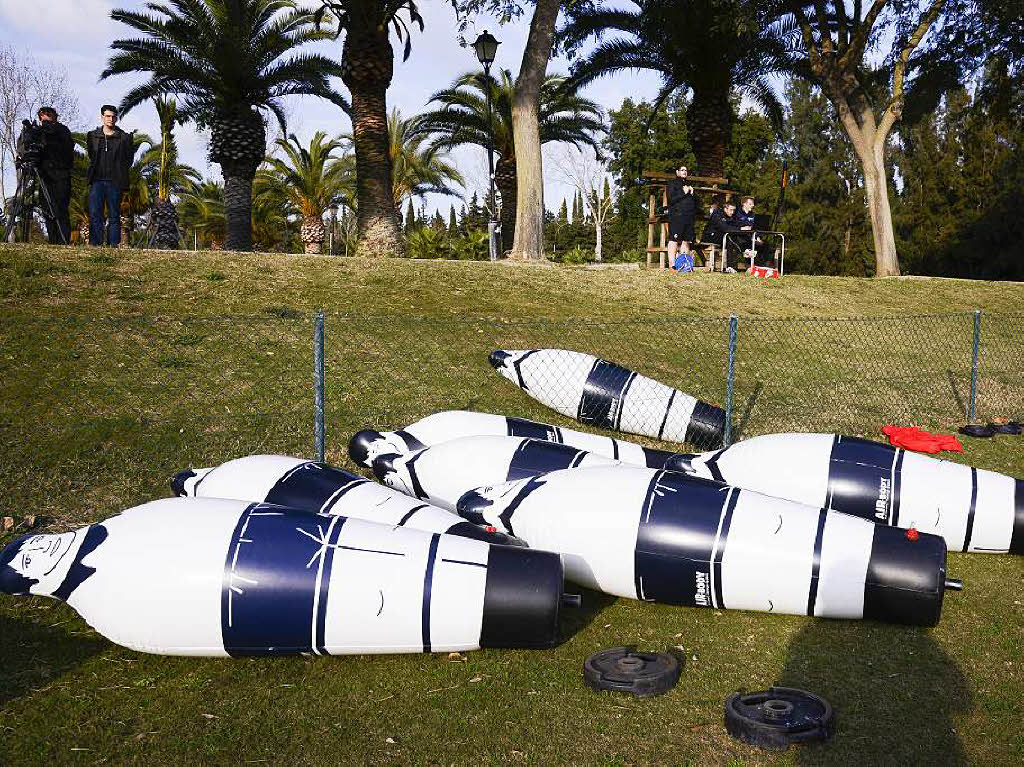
x,y
54,163
111,151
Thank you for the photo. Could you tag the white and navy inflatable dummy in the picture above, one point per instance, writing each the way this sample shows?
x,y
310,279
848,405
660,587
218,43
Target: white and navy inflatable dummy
x,y
600,393
665,537
441,474
187,576
323,489
447,425
973,509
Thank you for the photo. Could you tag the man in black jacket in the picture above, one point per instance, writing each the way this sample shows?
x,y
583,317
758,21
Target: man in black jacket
x,y
722,222
110,161
683,208
54,165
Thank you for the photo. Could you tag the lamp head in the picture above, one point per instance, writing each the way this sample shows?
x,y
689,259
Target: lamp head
x,y
486,47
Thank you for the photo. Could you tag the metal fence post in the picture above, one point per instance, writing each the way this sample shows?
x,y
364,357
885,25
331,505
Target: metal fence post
x,y
318,386
975,353
730,380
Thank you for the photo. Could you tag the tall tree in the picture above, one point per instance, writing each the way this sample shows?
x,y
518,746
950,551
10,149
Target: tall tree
x,y
367,61
164,213
313,179
462,118
831,47
226,60
418,168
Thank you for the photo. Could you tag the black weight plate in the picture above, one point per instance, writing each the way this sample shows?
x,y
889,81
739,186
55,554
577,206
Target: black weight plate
x,y
776,717
624,669
977,430
1011,427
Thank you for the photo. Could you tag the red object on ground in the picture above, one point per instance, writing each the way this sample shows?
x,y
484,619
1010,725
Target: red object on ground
x,y
921,440
764,271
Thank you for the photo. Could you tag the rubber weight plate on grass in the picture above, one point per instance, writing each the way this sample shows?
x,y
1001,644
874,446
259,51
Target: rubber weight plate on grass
x,y
777,717
624,669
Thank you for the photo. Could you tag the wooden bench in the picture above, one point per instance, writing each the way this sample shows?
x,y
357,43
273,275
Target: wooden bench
x,y
657,224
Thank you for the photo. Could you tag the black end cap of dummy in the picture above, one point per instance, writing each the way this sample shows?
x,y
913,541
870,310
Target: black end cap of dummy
x,y
776,717
906,577
497,358
680,462
624,669
359,446
486,534
383,465
657,459
707,426
1017,538
178,482
522,598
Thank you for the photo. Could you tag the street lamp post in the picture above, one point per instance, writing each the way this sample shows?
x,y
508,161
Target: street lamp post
x,y
486,47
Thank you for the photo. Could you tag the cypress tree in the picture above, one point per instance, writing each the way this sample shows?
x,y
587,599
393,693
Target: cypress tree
x,y
410,218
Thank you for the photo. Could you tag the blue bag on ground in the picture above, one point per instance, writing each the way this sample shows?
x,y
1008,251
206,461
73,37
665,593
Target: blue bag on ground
x,y
683,263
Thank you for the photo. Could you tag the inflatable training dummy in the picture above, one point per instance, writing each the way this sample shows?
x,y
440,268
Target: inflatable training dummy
x,y
600,393
452,424
665,537
973,509
319,488
442,473
187,576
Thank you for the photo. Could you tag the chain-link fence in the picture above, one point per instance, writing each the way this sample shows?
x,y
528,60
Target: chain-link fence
x,y
84,394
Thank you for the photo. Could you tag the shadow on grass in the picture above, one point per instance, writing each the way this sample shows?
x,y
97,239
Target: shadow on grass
x,y
954,389
34,655
575,619
741,427
896,694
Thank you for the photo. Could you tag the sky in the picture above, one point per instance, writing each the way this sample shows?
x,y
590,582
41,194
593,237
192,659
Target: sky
x,y
76,35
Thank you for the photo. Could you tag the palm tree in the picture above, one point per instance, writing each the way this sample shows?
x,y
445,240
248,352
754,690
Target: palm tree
x,y
311,180
226,60
708,46
462,119
164,215
136,198
417,168
367,62
202,209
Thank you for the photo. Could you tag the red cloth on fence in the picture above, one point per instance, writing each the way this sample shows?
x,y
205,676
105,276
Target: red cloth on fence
x,y
921,440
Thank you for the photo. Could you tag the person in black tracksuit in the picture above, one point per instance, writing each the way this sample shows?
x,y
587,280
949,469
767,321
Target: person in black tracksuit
x,y
723,221
683,209
111,151
747,223
54,165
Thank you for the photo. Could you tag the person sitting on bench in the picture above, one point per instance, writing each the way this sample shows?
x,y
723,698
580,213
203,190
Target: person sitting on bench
x,y
746,220
721,222
683,208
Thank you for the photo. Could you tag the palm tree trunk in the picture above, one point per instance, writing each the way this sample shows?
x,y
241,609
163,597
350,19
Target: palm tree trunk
x,y
709,123
367,61
505,180
313,233
238,206
238,143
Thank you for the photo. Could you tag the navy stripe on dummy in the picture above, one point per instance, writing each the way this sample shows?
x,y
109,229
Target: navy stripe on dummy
x,y
622,405
411,442
812,592
712,466
723,538
676,539
532,458
970,514
408,514
416,486
656,459
518,369
860,478
310,486
330,546
428,579
707,425
271,581
520,427
897,481
506,515
668,409
1017,538
602,394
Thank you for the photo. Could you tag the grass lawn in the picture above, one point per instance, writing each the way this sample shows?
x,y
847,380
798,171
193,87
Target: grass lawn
x,y
121,367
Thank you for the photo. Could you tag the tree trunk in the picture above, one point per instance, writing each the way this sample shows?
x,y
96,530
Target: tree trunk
x,y
164,217
709,122
238,205
597,243
312,234
505,180
529,229
367,67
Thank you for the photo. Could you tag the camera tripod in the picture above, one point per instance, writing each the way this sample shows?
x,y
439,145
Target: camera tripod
x,y
31,187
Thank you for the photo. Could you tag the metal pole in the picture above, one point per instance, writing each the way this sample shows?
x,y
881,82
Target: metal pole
x,y
975,353
492,224
318,386
730,380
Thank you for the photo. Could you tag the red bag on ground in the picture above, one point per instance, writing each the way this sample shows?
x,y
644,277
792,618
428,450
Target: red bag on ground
x,y
921,440
764,271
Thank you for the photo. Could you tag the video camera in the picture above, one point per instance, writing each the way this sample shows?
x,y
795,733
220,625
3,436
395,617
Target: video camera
x,y
31,144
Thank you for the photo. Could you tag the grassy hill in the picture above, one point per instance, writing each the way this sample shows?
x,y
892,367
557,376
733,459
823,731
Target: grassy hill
x,y
121,367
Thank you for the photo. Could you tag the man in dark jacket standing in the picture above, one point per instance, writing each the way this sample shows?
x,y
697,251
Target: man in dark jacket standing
x,y
722,222
110,161
683,208
55,164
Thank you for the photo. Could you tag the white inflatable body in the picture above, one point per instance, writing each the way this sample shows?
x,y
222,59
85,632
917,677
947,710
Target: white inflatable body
x,y
441,474
972,509
323,489
185,576
666,537
600,393
447,425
